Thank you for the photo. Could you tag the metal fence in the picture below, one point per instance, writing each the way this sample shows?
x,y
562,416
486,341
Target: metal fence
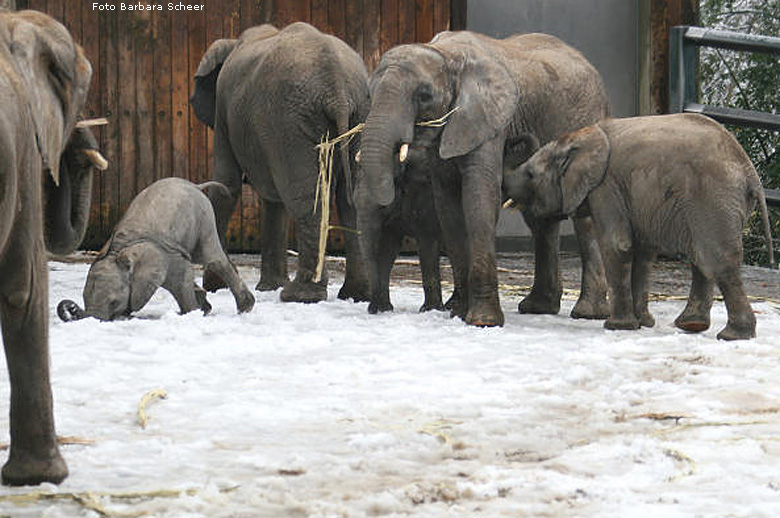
x,y
684,78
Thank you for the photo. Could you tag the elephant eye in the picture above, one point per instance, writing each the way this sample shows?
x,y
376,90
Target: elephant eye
x,y
529,174
424,94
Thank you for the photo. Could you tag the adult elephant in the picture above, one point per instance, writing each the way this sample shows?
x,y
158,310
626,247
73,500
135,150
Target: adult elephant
x,y
43,88
499,94
271,96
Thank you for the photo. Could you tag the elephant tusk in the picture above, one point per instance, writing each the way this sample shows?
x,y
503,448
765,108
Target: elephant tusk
x,y
97,159
403,153
508,204
357,156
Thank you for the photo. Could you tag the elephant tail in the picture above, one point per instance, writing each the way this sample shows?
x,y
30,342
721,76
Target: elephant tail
x,y
215,185
340,115
765,223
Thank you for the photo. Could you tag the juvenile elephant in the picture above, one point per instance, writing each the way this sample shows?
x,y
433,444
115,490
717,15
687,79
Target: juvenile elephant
x,y
44,203
411,213
271,96
477,94
169,225
676,184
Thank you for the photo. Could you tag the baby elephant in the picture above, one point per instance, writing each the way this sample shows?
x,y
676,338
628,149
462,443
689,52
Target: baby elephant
x,y
673,184
169,225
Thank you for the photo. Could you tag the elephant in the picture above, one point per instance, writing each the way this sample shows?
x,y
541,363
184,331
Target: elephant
x,y
44,203
463,98
169,225
271,96
412,213
674,184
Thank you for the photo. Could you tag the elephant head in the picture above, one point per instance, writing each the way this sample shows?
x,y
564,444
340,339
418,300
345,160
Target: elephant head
x,y
119,283
67,203
415,83
556,179
204,97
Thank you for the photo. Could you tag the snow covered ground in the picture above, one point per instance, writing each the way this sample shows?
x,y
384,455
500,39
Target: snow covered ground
x,y
325,411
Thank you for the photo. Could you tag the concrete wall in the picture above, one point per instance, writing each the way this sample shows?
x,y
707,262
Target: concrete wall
x,y
605,31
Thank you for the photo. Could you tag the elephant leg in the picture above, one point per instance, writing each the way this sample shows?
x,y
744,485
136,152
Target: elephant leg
x,y
592,302
447,198
273,269
34,455
228,172
617,264
431,274
741,320
356,286
180,282
215,260
481,170
545,296
695,318
303,288
640,271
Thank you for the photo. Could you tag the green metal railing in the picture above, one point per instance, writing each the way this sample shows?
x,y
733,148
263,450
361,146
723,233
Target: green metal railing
x,y
684,43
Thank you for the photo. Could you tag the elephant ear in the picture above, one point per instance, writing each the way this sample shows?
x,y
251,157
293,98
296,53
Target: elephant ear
x,y
204,98
148,269
581,160
486,98
56,76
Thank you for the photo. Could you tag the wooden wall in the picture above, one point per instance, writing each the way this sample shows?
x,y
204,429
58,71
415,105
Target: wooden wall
x,y
143,66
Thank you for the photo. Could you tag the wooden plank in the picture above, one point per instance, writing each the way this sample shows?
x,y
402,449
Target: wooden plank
x,y
372,10
144,108
108,63
424,31
407,22
72,18
388,36
319,15
441,16
180,79
197,130
231,27
90,42
354,25
458,14
127,106
337,18
163,125
215,16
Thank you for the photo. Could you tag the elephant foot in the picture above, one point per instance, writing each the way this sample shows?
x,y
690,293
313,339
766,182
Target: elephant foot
x,y
305,292
23,470
203,303
456,305
485,315
379,307
535,304
270,284
586,308
432,306
357,291
245,301
737,332
622,324
646,319
212,282
692,323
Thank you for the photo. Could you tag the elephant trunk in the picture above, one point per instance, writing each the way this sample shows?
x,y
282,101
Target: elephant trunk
x,y
388,128
67,204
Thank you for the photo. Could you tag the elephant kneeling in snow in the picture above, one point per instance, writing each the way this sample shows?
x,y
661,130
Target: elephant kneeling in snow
x,y
167,226
676,184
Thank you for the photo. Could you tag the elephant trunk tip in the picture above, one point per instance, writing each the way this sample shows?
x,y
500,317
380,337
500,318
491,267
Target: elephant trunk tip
x,y
69,311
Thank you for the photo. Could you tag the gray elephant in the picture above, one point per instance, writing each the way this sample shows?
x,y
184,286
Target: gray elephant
x,y
168,226
485,93
271,96
44,203
412,213
676,184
